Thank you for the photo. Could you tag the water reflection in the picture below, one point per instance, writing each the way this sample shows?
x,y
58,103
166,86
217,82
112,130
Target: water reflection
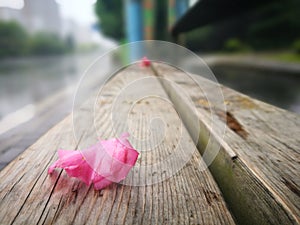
x,y
29,80
282,90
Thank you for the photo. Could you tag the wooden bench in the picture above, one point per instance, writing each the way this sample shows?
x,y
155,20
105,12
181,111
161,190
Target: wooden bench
x,y
258,166
256,169
30,196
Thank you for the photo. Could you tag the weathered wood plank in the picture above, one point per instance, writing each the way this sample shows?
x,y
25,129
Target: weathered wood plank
x,y
258,165
29,196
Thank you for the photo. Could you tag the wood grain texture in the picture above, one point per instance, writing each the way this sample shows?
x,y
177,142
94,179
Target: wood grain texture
x,y
29,196
258,165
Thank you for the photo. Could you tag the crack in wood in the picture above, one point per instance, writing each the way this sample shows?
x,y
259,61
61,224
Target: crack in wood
x,y
51,193
232,123
227,117
56,211
292,186
13,187
46,217
211,196
27,197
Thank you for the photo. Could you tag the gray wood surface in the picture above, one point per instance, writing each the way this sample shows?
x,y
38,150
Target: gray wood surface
x,y
28,195
258,166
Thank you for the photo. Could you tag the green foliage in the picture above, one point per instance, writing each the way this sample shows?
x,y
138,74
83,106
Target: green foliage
x,y
110,13
272,27
161,22
13,39
82,48
275,25
112,19
285,57
46,44
198,39
235,45
70,43
296,46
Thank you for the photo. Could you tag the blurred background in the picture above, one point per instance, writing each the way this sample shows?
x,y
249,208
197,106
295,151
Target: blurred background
x,y
252,46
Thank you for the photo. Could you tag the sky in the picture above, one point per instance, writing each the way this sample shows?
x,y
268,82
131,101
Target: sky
x,y
81,11
192,2
15,4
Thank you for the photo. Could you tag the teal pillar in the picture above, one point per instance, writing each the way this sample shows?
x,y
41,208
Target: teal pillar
x,y
134,26
181,8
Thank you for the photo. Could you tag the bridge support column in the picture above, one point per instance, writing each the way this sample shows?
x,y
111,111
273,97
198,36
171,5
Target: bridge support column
x,y
181,8
134,25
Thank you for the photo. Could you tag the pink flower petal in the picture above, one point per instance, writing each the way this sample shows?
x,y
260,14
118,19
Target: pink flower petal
x,y
101,182
145,62
101,164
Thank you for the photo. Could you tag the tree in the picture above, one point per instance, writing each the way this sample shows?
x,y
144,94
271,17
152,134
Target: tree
x,y
43,43
273,26
13,39
276,25
111,16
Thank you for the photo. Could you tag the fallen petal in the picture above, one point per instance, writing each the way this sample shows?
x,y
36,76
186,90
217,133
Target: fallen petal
x,y
101,164
145,62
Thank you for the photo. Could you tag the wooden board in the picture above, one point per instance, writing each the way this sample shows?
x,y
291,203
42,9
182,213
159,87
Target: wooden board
x,y
258,166
29,196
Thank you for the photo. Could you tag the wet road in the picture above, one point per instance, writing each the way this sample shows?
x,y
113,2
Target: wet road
x,y
27,81
35,94
281,90
273,82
